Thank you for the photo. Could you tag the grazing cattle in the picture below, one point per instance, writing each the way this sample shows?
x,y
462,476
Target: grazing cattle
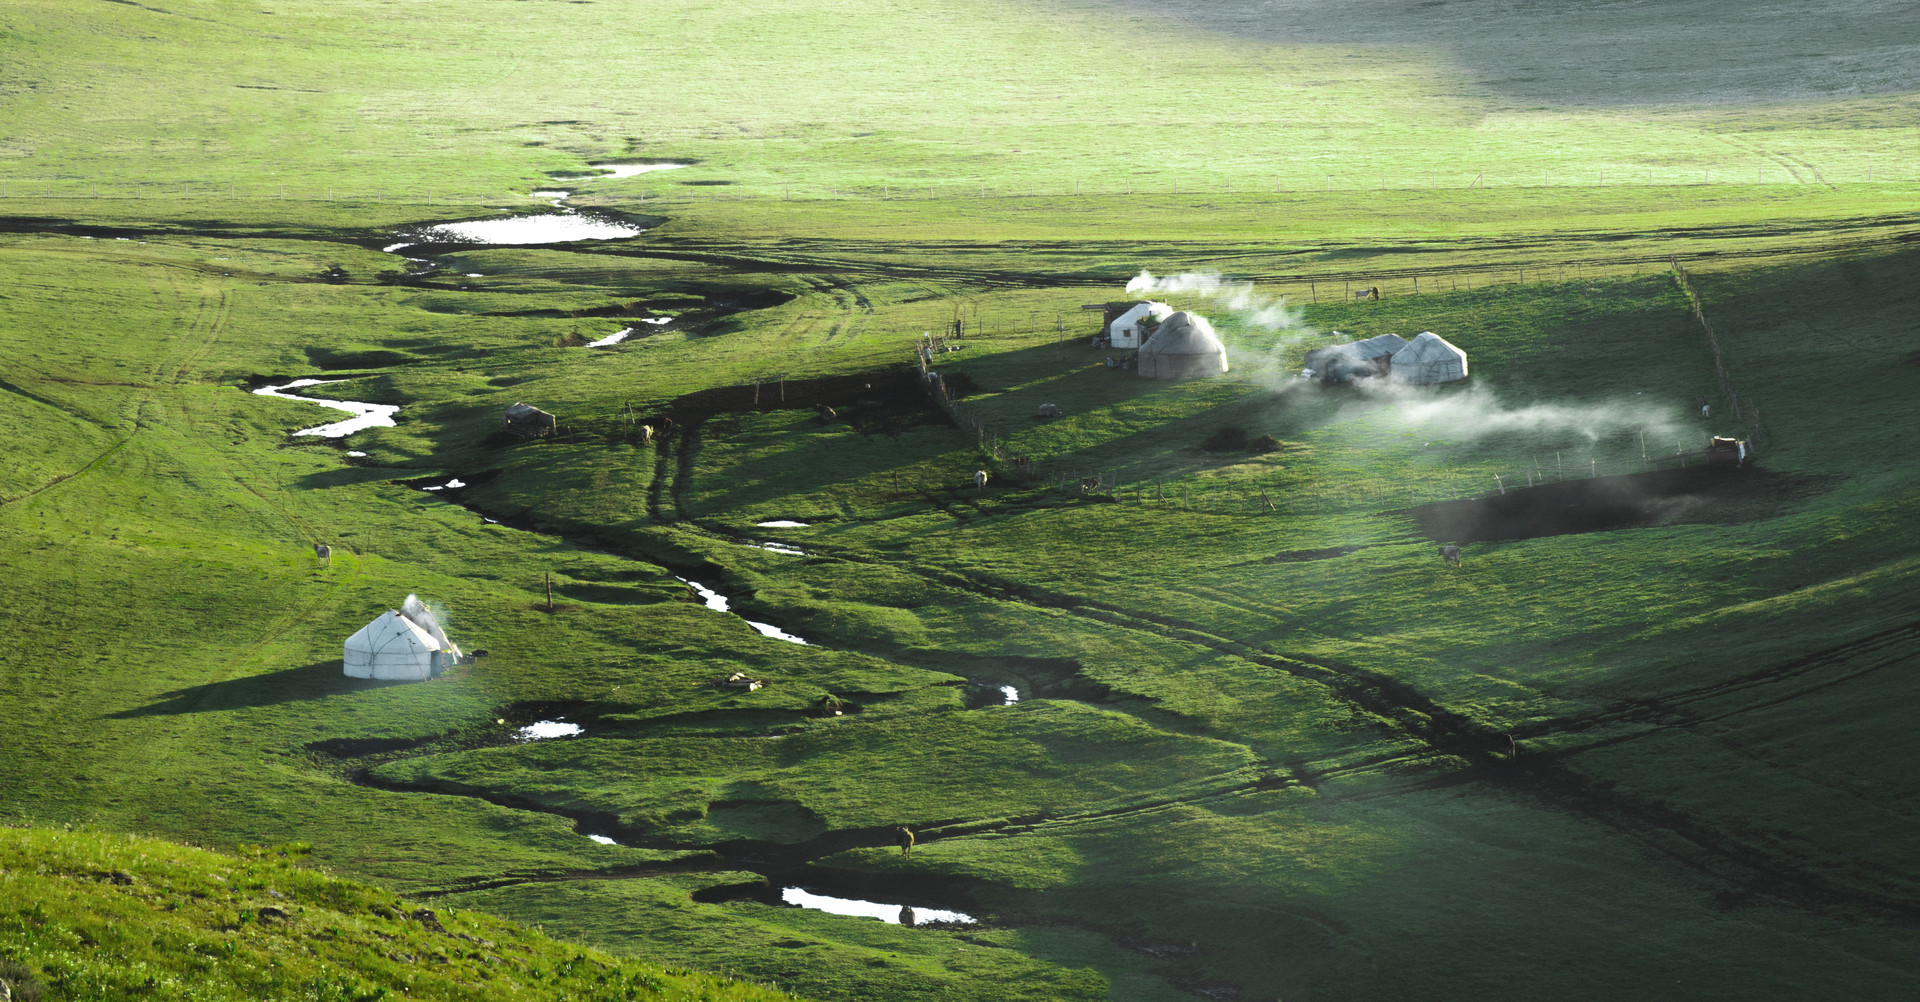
x,y
1049,410
324,552
1089,484
980,479
1450,554
903,837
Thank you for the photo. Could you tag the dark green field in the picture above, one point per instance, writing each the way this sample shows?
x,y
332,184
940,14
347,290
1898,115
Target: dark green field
x,y
1266,743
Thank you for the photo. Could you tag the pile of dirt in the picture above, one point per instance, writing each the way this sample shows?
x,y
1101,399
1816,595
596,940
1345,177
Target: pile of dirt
x,y
1712,495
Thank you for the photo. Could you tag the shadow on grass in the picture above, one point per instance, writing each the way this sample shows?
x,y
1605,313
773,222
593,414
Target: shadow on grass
x,y
291,685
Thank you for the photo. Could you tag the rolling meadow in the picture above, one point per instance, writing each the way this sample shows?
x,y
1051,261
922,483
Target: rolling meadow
x,y
1169,719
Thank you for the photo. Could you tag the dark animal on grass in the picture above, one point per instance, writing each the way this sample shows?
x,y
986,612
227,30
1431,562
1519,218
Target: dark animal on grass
x,y
1450,554
1049,411
823,414
903,837
1089,484
324,552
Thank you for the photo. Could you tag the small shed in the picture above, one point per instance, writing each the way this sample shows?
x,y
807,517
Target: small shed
x,y
1130,324
1343,363
1428,358
528,421
1183,347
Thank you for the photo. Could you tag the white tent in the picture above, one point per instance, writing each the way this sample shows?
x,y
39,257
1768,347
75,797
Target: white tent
x,y
394,646
1124,332
1341,363
1184,347
1428,358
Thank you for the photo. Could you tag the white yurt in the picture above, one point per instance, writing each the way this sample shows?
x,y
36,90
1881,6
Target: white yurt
x,y
1428,358
1125,330
405,646
1184,347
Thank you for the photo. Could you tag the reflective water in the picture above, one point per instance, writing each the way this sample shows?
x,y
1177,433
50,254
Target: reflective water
x,y
546,228
611,339
621,170
894,914
544,729
781,523
456,482
718,603
365,415
603,840
781,548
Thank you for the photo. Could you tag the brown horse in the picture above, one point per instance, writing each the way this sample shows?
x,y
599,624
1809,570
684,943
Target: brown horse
x,y
903,836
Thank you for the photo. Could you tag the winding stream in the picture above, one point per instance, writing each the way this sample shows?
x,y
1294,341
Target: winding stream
x,y
718,603
365,415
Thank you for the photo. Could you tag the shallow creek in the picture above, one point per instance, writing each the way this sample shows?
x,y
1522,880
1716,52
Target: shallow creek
x,y
365,415
893,914
718,603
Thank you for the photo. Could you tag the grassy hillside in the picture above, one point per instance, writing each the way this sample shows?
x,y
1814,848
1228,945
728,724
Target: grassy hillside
x,y
1647,740
92,915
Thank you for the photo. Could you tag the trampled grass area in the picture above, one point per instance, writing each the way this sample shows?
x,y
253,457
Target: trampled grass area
x,y
1265,742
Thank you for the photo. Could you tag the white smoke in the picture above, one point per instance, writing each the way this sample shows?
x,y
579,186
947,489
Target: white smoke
x,y
1261,311
1476,412
423,617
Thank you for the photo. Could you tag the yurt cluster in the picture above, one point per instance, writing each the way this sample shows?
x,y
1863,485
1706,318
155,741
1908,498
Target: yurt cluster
x,y
1168,343
1173,344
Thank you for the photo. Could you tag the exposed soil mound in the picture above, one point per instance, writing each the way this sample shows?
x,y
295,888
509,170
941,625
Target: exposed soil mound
x,y
1714,495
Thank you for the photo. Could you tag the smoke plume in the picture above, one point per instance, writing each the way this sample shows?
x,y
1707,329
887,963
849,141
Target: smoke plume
x,y
1261,311
1476,412
424,618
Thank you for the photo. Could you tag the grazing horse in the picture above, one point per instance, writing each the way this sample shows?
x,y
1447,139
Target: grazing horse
x,y
903,837
324,552
980,479
1450,554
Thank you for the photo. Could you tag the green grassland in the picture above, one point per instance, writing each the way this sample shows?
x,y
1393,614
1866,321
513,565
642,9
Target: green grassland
x,y
91,915
1266,745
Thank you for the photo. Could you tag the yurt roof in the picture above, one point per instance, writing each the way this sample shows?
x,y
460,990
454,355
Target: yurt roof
x,y
392,631
1184,334
1380,344
1427,347
1142,309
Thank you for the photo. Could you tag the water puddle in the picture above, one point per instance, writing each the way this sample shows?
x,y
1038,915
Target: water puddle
x,y
780,548
452,485
889,913
603,840
620,171
611,339
365,415
546,228
356,453
544,729
781,523
718,603
981,694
